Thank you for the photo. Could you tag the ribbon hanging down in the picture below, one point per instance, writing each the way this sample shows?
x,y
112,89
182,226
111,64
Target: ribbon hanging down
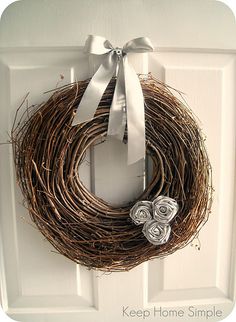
x,y
127,103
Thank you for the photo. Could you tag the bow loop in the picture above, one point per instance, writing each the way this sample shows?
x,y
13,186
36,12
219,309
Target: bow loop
x,y
97,45
128,103
138,45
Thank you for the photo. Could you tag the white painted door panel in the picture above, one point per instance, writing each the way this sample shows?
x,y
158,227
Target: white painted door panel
x,y
41,40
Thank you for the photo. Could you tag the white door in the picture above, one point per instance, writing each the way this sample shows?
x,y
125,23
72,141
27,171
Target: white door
x,y
195,45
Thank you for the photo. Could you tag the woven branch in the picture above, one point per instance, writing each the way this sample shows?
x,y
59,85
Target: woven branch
x,y
48,152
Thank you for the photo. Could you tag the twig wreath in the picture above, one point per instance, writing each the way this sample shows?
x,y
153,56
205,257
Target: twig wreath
x,y
48,151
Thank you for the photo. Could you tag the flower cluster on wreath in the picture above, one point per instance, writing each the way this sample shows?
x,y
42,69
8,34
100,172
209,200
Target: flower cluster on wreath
x,y
155,216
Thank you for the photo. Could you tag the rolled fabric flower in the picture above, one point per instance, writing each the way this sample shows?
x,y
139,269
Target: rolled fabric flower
x,y
141,212
156,233
164,209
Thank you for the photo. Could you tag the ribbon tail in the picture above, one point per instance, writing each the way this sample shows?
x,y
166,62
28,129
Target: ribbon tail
x,y
135,114
95,90
117,117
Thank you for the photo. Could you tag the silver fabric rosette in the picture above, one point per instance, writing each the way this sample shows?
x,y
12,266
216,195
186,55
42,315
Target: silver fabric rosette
x,y
156,233
164,209
155,216
141,212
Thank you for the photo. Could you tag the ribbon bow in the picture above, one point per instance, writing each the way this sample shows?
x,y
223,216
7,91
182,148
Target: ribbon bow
x,y
127,103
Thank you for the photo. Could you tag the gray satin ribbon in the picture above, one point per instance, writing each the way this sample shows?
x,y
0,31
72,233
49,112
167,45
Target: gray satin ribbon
x,y
127,103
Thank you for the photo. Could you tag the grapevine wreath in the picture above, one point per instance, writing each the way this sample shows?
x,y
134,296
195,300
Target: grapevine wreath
x,y
48,150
